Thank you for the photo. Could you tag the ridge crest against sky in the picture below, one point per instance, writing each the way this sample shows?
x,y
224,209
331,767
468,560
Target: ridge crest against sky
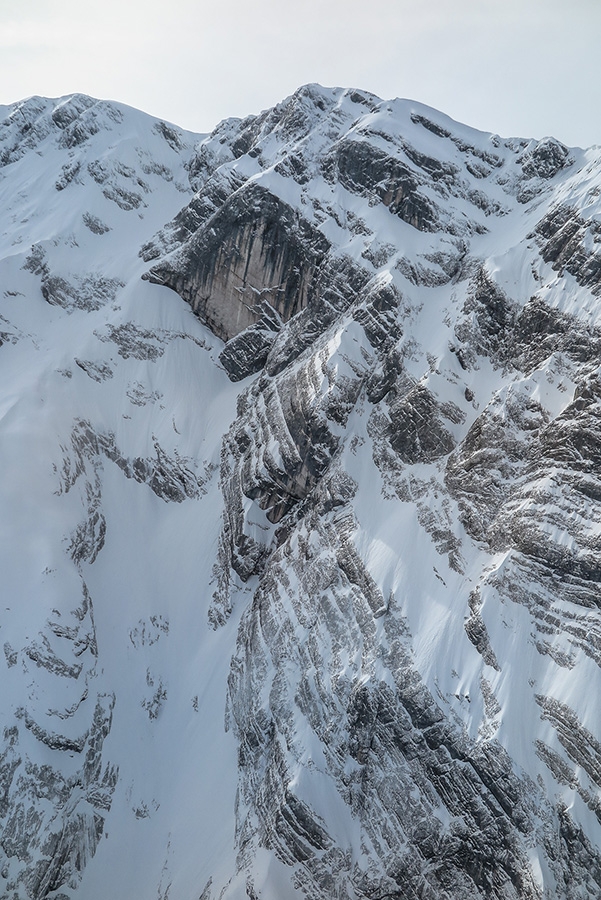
x,y
526,69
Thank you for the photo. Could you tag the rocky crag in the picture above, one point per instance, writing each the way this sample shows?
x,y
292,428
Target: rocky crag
x,y
302,565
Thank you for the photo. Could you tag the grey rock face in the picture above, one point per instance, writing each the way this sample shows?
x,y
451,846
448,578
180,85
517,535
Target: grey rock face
x,y
254,249
546,159
570,243
361,168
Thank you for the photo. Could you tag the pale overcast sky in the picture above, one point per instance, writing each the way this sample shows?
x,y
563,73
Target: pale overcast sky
x,y
517,67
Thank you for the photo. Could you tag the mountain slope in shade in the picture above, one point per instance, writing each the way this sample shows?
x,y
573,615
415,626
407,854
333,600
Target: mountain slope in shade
x,y
299,506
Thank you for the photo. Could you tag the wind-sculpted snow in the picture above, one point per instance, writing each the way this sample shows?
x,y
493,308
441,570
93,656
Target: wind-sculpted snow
x,y
300,568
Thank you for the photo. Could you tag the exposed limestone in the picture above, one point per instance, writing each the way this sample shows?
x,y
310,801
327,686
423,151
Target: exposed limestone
x,y
361,167
254,249
571,243
171,478
89,292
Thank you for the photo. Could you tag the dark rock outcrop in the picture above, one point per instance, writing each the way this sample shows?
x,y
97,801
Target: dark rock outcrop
x,y
255,249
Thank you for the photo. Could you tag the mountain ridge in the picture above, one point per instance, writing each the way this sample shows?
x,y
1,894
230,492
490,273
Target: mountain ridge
x,y
304,603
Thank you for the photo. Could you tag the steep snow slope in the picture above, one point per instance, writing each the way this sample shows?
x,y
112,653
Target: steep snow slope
x,y
314,613
112,416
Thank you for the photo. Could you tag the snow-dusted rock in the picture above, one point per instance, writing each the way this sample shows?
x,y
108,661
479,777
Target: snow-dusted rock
x,y
300,568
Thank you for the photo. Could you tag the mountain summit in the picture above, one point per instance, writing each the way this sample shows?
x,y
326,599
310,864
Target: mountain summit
x,y
300,506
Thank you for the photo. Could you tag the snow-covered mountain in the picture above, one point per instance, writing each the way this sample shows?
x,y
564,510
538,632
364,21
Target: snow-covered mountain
x,y
300,568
